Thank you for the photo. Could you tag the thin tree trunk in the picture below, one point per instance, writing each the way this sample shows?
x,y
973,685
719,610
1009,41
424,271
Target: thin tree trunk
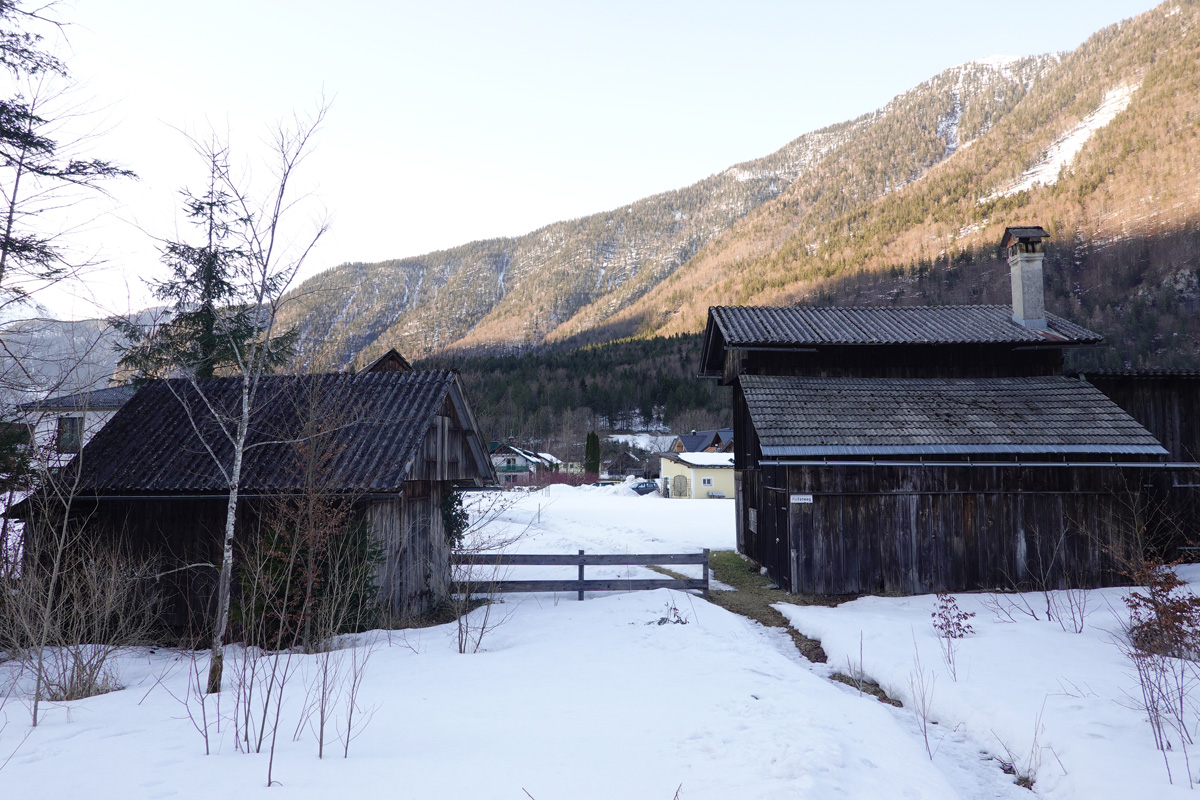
x,y
217,662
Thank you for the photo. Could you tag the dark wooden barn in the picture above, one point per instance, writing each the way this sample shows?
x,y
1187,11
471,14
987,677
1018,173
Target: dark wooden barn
x,y
389,444
916,449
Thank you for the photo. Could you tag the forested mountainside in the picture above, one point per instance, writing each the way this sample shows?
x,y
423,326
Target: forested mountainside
x,y
570,278
904,205
1103,150
552,397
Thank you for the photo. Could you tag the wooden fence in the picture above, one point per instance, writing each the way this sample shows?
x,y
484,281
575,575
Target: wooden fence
x,y
498,583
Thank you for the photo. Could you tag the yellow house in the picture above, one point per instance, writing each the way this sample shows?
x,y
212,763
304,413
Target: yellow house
x,y
699,475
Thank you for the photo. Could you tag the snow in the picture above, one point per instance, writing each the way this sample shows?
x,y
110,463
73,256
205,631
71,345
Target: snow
x,y
705,459
599,699
1064,149
1062,702
997,62
652,442
947,128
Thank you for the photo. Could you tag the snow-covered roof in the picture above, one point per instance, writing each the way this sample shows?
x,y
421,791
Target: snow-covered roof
x,y
702,459
545,459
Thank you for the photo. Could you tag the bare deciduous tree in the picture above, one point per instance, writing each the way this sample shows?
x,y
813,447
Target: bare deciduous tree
x,y
259,255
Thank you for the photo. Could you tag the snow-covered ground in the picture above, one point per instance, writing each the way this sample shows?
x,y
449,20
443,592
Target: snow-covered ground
x,y
602,699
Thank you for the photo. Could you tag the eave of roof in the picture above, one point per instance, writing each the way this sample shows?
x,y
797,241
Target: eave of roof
x,y
107,399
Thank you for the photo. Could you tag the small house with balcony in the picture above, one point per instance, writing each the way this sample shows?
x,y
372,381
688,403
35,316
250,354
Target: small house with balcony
x,y
518,465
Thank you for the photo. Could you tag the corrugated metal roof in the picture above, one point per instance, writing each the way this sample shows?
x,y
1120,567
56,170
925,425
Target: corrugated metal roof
x,y
366,427
107,399
764,326
927,416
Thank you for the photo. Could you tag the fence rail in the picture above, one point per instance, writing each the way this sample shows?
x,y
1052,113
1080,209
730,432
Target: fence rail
x,y
580,584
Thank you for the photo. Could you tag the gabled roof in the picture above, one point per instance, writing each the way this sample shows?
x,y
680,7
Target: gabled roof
x,y
108,399
697,441
765,326
391,361
369,428
819,417
735,327
533,457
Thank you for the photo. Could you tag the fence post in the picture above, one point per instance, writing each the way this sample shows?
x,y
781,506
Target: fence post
x,y
706,572
581,576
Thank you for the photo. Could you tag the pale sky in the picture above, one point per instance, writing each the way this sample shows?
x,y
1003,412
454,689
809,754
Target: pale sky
x,y
457,121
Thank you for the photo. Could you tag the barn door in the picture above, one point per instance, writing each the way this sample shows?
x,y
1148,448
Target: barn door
x,y
776,542
801,540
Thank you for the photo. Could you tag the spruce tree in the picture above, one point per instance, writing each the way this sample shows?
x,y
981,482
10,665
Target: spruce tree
x,y
210,324
591,454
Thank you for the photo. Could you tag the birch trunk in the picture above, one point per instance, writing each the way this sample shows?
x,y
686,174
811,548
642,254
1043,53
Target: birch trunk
x,y
217,660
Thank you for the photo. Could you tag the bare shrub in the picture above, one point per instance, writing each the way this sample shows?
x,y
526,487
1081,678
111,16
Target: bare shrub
x,y
69,610
920,688
490,529
1162,641
951,624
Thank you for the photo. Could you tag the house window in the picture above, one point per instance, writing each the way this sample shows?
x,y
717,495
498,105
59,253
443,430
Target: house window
x,y
70,434
510,462
706,481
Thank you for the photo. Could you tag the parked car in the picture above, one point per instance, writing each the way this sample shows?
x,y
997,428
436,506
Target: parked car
x,y
645,487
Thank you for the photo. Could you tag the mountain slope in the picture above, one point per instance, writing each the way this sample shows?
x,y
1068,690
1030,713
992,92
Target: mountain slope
x,y
1124,106
571,277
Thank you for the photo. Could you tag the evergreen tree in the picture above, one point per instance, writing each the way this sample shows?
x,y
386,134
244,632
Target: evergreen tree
x,y
210,325
591,454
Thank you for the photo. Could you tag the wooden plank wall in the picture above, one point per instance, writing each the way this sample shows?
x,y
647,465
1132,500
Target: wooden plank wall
x,y
415,575
911,530
897,361
1168,407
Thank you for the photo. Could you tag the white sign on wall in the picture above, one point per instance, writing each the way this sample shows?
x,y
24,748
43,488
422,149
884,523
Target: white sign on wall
x,y
802,498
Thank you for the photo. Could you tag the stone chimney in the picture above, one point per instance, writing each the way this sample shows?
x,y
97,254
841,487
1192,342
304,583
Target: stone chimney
x,y
1024,248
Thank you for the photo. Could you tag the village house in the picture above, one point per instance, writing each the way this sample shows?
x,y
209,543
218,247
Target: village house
x,y
703,441
389,443
623,465
698,475
61,425
516,465
918,449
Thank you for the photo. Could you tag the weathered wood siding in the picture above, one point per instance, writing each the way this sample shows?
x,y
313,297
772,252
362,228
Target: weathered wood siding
x,y
1168,406
912,530
443,455
415,574
896,361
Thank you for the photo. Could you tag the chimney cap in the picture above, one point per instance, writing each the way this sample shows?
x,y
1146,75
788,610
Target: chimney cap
x,y
1023,233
